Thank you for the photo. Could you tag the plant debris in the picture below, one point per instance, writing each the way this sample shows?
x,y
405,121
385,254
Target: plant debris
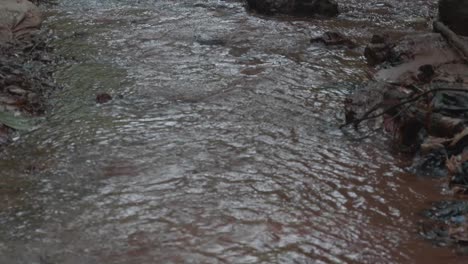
x,y
25,68
419,95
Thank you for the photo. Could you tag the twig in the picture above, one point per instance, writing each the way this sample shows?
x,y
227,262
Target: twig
x,y
367,115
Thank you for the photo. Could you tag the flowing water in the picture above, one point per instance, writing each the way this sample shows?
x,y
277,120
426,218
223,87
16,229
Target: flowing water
x,y
221,144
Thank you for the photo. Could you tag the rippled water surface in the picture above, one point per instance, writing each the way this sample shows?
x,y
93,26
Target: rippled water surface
x,y
221,144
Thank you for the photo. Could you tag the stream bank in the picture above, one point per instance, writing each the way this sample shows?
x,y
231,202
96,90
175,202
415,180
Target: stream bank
x,y
419,97
25,67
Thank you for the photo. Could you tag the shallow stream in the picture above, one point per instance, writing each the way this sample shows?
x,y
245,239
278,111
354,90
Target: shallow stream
x,y
221,144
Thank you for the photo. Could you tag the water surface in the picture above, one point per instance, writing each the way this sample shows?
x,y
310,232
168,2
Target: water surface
x,y
221,144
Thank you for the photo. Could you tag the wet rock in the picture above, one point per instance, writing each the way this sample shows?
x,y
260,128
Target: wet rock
x,y
448,211
454,13
328,8
334,39
17,18
379,50
448,224
103,98
426,73
430,164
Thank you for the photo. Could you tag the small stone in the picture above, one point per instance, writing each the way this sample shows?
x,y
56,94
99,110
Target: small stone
x,y
426,73
103,98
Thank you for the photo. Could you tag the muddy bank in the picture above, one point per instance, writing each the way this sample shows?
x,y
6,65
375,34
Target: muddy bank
x,y
25,67
419,96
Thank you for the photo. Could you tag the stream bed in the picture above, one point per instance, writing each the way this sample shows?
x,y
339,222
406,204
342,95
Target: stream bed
x,y
221,143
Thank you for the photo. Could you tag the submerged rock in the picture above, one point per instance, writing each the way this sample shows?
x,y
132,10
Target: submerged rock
x,y
103,98
454,13
328,8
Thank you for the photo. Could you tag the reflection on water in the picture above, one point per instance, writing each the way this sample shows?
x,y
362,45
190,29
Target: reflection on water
x,y
221,144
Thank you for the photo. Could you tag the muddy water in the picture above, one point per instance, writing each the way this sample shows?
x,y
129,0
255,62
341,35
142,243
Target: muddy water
x,y
221,144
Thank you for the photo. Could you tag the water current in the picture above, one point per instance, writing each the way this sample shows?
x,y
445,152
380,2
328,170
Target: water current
x,y
221,144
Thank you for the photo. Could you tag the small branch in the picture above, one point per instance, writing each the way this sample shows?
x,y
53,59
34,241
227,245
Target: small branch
x,y
367,115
